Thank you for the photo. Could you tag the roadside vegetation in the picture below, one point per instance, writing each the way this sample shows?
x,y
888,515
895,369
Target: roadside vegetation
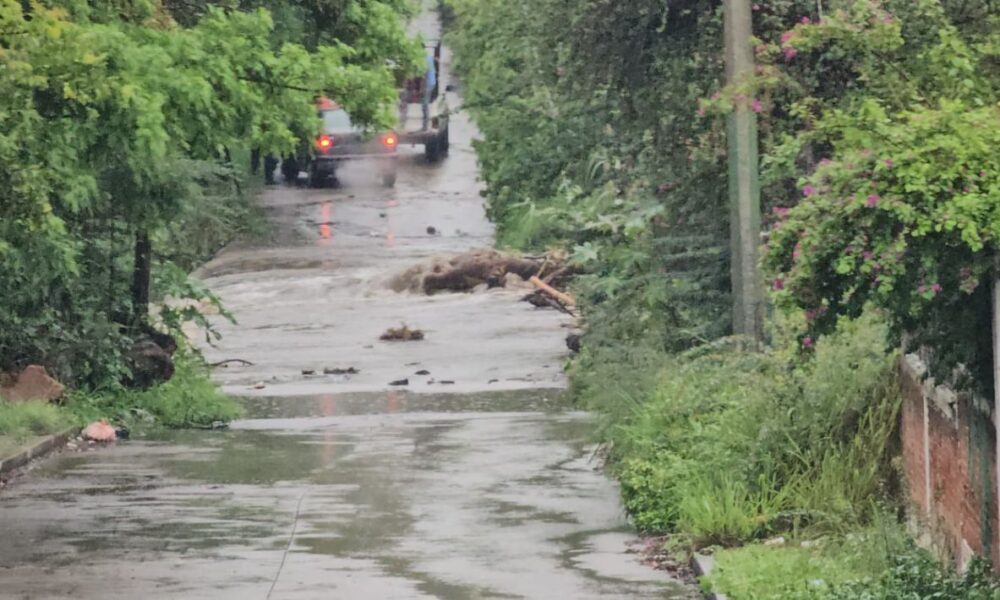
x,y
23,420
130,141
603,134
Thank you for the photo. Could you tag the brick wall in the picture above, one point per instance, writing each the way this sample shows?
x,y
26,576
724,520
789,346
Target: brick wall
x,y
948,443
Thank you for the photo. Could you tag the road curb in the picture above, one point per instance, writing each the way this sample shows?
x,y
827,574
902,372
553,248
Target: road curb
x,y
40,449
702,566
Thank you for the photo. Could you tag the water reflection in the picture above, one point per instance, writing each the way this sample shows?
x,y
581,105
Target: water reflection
x,y
325,223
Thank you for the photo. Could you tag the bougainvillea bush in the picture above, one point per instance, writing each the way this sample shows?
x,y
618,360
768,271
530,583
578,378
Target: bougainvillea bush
x,y
897,202
905,217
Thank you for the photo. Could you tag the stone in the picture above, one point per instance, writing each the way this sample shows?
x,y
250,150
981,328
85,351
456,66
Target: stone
x,y
33,383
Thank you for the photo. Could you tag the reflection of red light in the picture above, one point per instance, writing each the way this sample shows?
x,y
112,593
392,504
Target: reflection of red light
x,y
390,140
394,401
325,210
328,406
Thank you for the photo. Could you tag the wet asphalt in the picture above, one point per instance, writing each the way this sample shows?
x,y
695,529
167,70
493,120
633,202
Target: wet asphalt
x,y
341,486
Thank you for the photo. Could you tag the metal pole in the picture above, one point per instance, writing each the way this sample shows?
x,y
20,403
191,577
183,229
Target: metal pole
x,y
744,190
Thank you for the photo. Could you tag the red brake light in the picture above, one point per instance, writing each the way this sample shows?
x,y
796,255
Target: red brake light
x,y
389,140
324,143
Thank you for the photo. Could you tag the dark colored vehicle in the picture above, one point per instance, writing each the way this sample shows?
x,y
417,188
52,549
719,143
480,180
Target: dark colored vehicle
x,y
341,141
430,128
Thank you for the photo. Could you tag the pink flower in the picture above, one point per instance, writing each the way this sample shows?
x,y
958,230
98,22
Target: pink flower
x,y
756,7
756,105
790,53
873,200
780,211
778,284
808,191
700,112
936,288
805,21
787,37
807,342
760,49
887,19
922,289
888,163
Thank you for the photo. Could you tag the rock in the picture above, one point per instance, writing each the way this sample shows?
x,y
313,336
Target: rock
x,y
72,445
99,431
422,372
778,541
431,230
573,342
308,372
33,383
400,382
151,360
482,287
446,382
259,385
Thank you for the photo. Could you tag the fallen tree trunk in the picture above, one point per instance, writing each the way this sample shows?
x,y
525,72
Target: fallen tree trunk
x,y
551,291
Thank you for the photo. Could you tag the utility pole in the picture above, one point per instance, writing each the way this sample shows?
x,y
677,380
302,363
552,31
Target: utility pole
x,y
744,189
996,381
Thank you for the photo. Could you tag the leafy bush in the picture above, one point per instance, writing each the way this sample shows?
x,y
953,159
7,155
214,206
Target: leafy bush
x,y
188,399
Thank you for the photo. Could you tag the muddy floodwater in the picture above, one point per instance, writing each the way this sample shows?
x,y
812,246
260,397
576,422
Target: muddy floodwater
x,y
387,495
476,479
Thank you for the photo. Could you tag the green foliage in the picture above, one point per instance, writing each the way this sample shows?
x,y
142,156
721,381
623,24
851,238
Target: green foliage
x,y
588,145
20,420
726,446
898,181
188,399
878,563
917,575
118,123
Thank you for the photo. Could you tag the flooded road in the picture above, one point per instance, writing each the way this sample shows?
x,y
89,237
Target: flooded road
x,y
390,496
340,486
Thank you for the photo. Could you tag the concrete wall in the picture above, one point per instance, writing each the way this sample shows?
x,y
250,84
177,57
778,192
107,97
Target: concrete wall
x,y
948,443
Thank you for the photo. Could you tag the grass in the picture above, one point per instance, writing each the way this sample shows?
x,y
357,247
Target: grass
x,y
878,562
758,572
23,420
725,447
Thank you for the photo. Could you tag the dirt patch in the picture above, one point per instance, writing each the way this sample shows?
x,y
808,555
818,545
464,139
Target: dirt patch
x,y
492,268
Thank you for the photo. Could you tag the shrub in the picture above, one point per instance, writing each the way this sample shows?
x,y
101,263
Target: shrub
x,y
188,399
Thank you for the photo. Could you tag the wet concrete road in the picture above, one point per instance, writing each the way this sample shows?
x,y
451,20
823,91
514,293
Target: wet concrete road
x,y
338,486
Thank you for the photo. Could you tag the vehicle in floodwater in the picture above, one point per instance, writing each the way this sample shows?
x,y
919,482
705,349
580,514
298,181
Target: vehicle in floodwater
x,y
430,128
341,140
